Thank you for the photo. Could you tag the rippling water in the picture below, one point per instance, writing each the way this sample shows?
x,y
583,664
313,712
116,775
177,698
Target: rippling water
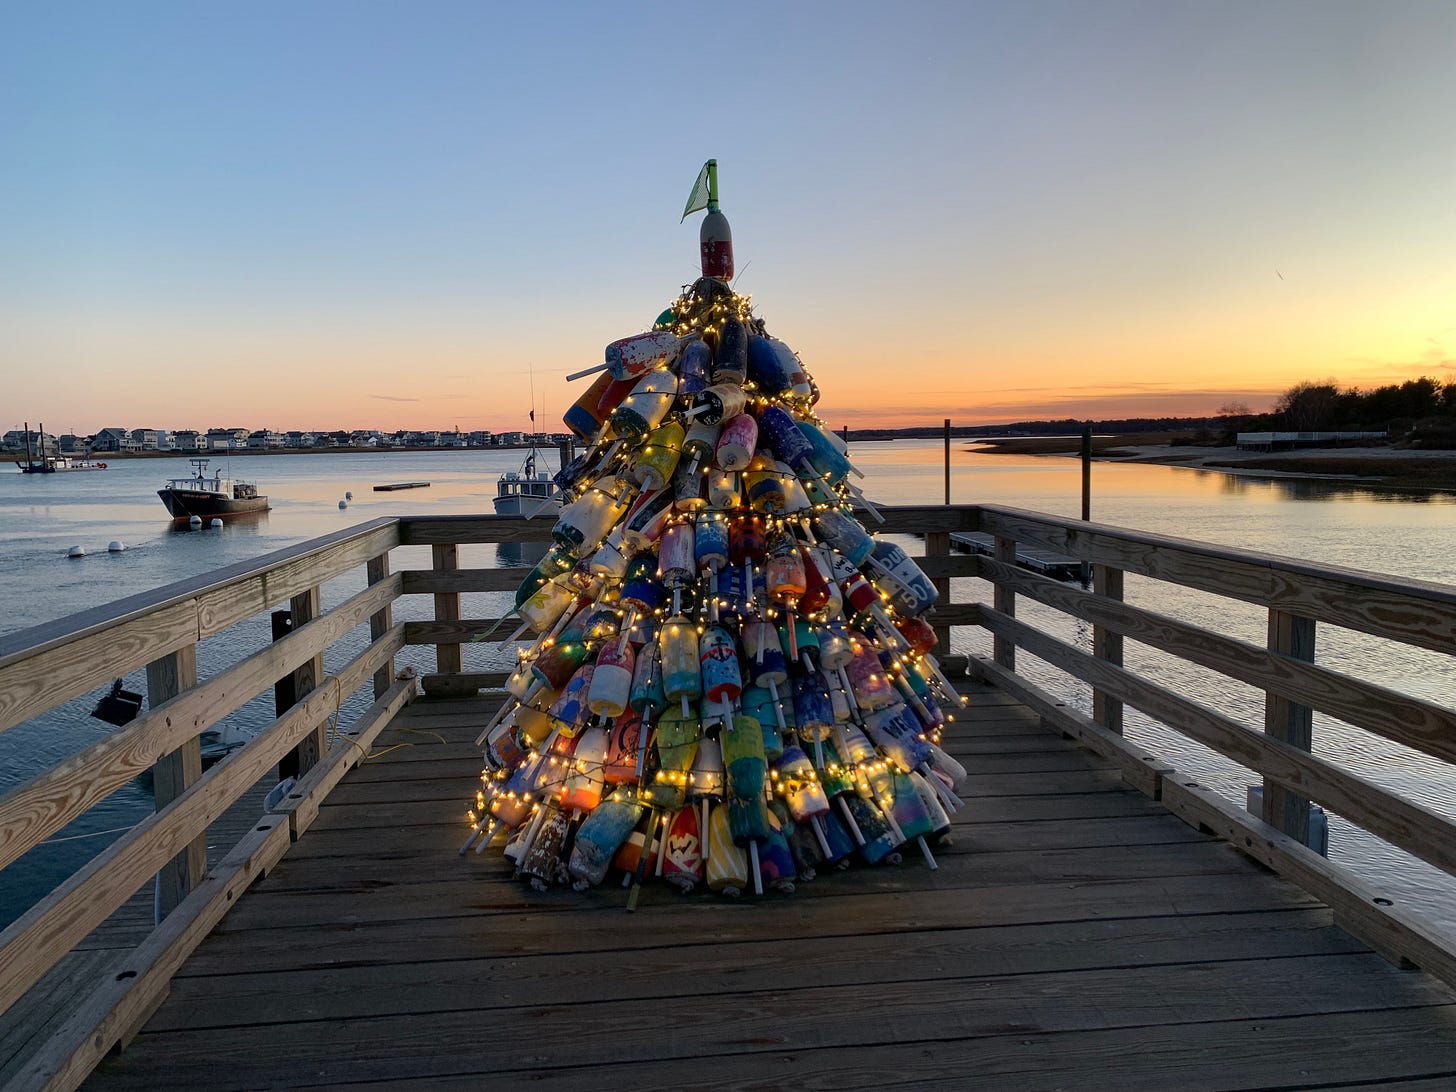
x,y
42,517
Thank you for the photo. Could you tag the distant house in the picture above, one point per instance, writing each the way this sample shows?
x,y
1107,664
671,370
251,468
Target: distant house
x,y
510,438
226,439
451,439
364,437
265,438
113,439
188,440
296,438
40,443
150,439
478,438
71,444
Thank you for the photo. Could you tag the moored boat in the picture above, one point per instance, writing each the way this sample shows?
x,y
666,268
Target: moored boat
x,y
55,464
206,495
52,464
526,492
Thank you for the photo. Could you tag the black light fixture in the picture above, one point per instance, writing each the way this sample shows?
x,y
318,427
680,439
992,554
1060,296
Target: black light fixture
x,y
119,707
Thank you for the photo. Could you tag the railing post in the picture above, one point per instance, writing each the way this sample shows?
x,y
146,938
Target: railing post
x,y
937,544
1106,645
1292,636
376,570
172,774
1004,600
302,609
447,607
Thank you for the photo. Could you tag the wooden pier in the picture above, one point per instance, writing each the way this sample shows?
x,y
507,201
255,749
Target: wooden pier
x,y
1101,921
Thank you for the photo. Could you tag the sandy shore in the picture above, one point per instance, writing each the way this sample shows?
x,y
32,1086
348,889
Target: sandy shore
x,y
1384,467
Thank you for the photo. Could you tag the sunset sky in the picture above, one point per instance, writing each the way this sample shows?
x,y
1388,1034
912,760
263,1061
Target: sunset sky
x,y
375,214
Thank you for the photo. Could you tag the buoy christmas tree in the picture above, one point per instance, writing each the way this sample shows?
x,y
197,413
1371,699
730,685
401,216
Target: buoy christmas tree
x,y
730,681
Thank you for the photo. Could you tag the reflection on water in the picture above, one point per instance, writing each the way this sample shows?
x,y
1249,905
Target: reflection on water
x,y
519,555
243,523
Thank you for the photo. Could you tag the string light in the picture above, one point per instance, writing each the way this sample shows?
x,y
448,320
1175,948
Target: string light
x,y
657,773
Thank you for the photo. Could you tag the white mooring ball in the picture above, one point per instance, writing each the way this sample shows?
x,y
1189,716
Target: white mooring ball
x,y
348,494
216,523
343,504
195,521
116,546
77,551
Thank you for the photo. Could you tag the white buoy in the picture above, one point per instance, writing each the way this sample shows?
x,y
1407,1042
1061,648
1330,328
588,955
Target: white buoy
x,y
343,504
348,494
216,523
77,551
116,546
195,521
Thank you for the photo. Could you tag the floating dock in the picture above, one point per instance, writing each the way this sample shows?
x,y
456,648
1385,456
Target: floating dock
x,y
1038,560
390,488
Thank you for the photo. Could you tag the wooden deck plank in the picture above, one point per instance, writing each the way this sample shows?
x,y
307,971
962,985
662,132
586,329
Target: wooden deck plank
x,y
610,1032
673,970
519,917
1271,1054
1076,935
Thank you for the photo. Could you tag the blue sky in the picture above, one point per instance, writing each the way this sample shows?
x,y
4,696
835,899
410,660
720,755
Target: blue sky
x,y
330,214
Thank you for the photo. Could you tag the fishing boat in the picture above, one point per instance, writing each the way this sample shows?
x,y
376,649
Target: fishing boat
x,y
207,495
527,491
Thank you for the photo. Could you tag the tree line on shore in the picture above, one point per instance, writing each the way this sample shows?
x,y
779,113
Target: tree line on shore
x,y
1416,413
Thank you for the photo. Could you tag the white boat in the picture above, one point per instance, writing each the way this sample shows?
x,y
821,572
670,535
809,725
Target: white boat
x,y
527,491
59,464
53,464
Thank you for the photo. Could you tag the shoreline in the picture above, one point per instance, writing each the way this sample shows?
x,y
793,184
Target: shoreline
x,y
1377,467
109,456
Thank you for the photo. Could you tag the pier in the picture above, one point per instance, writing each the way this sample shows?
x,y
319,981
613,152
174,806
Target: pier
x,y
1102,919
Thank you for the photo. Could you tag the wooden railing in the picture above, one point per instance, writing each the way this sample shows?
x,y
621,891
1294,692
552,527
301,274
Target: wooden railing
x,y
1297,596
43,668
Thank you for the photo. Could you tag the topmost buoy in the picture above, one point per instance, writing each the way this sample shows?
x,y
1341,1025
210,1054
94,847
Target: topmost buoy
x,y
715,237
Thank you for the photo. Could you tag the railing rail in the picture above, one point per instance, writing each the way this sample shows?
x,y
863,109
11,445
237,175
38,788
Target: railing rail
x,y
43,668
1298,596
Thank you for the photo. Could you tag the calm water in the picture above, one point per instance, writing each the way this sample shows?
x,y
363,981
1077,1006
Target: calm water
x,y
42,517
